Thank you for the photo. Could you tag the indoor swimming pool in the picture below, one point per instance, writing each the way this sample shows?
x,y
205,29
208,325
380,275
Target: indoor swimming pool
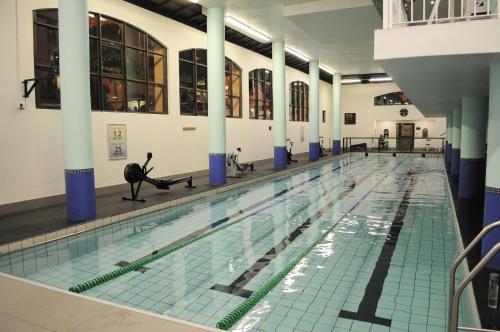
x,y
355,244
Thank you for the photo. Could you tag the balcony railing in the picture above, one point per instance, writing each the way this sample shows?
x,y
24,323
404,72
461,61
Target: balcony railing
x,y
431,145
398,13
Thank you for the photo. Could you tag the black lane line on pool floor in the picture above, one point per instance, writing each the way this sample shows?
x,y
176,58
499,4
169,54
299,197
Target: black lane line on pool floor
x,y
236,287
234,215
368,305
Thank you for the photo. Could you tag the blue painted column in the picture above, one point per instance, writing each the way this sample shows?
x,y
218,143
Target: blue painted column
x,y
449,135
337,136
492,191
76,110
473,147
217,94
457,135
313,110
279,115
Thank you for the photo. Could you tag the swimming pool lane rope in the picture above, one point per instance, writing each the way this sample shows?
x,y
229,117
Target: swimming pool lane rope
x,y
234,316
134,266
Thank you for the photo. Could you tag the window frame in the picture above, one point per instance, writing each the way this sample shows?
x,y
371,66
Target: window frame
x,y
257,77
298,101
100,75
195,89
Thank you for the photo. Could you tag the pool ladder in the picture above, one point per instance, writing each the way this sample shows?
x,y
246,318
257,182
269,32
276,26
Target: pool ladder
x,y
454,295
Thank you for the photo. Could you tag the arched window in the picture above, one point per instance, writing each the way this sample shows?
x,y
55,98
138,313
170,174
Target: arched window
x,y
299,101
194,84
127,66
261,94
393,98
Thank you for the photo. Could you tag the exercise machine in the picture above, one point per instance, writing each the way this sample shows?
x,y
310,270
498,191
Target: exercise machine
x,y
289,156
136,175
322,152
236,166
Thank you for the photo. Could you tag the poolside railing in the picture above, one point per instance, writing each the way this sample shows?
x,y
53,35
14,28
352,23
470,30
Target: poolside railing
x,y
431,145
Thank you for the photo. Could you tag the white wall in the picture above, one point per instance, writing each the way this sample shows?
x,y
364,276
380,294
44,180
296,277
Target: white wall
x,y
371,120
31,140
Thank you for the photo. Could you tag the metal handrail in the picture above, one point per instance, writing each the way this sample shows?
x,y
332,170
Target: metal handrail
x,y
453,319
460,258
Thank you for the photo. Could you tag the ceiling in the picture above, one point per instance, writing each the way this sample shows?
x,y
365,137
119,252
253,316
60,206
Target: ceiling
x,y
321,29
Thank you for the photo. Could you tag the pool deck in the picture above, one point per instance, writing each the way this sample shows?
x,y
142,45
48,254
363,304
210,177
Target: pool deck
x,y
28,219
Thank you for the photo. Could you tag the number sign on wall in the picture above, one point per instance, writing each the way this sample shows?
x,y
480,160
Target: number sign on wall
x,y
117,141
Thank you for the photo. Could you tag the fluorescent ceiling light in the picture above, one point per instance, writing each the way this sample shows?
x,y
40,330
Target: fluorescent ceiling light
x,y
380,79
327,69
239,25
350,80
194,1
297,54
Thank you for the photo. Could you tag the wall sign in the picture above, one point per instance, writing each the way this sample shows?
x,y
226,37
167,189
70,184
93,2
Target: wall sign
x,y
117,141
403,112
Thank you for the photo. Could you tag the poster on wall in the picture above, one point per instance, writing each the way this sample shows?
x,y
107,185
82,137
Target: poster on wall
x,y
117,141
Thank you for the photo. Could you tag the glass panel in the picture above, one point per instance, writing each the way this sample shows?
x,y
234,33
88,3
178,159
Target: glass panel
x,y
306,111
269,92
186,74
260,74
47,46
267,75
112,59
269,110
94,93
111,29
228,106
187,55
290,114
252,73
201,77
201,103
134,37
136,97
228,83
252,108
236,86
47,90
155,99
201,56
227,65
236,108
93,25
94,56
47,16
156,70
252,89
261,112
155,47
187,102
260,90
136,64
113,95
236,70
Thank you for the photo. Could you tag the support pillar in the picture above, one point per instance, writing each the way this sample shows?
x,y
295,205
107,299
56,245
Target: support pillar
x,y
76,109
455,150
450,140
336,119
217,95
279,110
313,110
473,147
492,189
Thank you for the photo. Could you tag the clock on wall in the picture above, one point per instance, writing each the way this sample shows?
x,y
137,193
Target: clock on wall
x,y
403,112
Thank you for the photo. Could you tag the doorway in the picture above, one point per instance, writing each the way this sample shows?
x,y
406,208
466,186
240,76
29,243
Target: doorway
x,y
405,134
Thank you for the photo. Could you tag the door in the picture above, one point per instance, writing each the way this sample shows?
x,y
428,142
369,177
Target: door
x,y
405,134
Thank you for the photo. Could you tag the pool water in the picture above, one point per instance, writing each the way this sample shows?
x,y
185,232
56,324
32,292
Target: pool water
x,y
388,240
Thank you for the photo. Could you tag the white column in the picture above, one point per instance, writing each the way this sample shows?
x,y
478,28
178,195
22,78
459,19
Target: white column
x,y
279,107
76,109
216,94
314,110
336,119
